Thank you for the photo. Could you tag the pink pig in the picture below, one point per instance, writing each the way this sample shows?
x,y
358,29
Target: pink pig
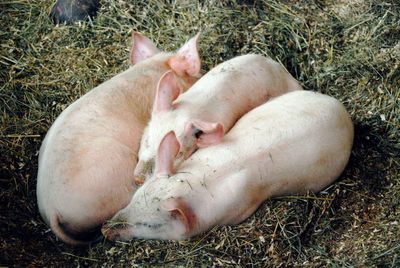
x,y
295,143
213,104
88,156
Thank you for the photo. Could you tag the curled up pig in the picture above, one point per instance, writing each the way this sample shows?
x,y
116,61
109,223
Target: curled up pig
x,y
202,115
87,159
295,143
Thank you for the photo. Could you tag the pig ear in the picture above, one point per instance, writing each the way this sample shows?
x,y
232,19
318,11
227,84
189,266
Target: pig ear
x,y
206,133
167,91
187,59
167,151
142,48
180,210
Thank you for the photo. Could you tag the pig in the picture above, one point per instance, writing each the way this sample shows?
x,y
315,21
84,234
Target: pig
x,y
202,115
87,159
296,143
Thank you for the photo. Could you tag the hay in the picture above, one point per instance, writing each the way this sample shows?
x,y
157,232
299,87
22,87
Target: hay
x,y
346,49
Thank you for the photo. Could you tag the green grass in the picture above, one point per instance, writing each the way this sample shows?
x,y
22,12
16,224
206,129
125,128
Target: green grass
x,y
346,49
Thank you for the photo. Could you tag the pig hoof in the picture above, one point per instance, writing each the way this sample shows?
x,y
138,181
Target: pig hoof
x,y
68,11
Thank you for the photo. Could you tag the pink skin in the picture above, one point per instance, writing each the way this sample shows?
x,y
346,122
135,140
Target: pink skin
x,y
202,115
88,156
298,142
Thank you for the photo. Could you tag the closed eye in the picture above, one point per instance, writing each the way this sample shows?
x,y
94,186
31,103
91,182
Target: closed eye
x,y
153,226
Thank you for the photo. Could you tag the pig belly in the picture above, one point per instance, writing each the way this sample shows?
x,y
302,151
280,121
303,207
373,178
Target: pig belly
x,y
88,180
103,176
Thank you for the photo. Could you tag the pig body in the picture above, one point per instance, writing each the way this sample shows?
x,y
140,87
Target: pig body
x,y
87,158
213,104
295,143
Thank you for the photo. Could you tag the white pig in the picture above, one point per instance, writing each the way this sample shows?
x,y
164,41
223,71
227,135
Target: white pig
x,y
295,143
213,104
88,156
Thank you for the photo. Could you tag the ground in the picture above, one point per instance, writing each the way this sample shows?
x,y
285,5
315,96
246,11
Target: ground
x,y
346,49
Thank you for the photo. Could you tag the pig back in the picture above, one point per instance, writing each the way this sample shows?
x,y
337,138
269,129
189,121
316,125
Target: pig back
x,y
298,142
236,86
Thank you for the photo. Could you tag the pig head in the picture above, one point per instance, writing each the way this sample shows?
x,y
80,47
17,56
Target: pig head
x,y
87,158
295,143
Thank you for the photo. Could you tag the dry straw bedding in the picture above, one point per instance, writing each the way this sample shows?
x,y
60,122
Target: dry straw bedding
x,y
346,49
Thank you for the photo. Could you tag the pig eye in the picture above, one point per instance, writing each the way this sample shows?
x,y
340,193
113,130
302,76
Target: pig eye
x,y
197,132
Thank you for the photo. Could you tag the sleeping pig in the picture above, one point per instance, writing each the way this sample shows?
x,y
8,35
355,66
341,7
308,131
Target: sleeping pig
x,y
87,158
202,115
295,143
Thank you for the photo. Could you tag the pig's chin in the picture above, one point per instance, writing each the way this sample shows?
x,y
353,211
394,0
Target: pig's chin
x,y
169,231
172,231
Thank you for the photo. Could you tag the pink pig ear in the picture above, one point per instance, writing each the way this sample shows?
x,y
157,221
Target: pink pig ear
x,y
187,59
167,151
142,48
181,211
167,91
206,133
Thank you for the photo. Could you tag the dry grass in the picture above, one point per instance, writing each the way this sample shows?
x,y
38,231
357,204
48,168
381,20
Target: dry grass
x,y
347,49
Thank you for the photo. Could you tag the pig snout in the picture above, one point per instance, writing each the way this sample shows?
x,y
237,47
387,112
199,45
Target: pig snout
x,y
117,230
